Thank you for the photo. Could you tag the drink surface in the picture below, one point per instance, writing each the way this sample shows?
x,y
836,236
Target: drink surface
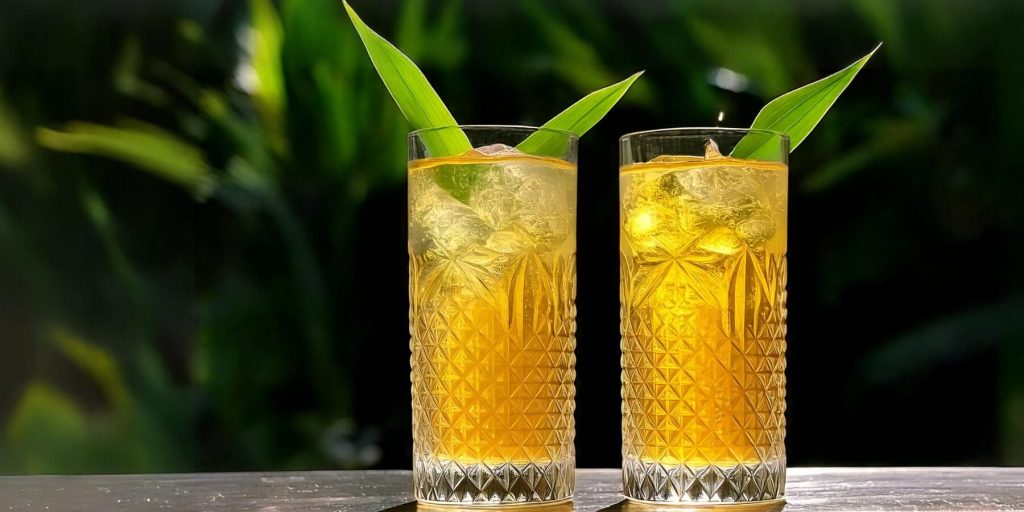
x,y
703,277
492,318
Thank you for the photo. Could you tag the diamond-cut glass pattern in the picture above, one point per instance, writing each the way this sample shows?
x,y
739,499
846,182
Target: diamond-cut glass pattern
x,y
492,320
703,272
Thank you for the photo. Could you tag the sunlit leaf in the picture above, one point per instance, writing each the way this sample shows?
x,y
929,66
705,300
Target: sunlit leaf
x,y
95,362
577,119
266,58
424,109
14,149
160,153
797,112
412,92
46,428
127,79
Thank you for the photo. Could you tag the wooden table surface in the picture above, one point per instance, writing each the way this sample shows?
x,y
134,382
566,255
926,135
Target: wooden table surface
x,y
821,489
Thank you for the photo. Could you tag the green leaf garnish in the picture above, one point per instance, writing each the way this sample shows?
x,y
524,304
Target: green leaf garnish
x,y
578,118
797,112
417,100
423,108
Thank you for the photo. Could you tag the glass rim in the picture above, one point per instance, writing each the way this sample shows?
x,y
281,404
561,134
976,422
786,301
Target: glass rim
x,y
690,131
509,127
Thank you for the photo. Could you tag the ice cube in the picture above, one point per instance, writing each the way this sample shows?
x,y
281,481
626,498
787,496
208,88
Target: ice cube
x,y
675,158
711,150
494,193
545,212
532,200
648,218
721,194
507,242
655,228
721,241
499,150
670,185
441,222
757,228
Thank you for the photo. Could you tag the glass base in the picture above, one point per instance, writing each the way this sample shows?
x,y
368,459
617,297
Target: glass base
x,y
711,485
453,483
635,505
563,505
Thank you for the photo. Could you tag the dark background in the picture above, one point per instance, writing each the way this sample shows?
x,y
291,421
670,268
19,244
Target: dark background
x,y
202,218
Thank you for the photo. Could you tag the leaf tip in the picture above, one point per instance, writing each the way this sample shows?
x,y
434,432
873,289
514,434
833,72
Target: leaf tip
x,y
628,82
872,52
634,77
351,12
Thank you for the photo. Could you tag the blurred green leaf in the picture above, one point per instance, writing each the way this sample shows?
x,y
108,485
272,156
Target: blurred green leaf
x,y
96,210
191,30
266,61
946,339
42,408
763,44
953,337
446,42
127,80
45,429
338,100
327,77
14,148
576,60
410,32
890,138
415,97
1011,396
49,433
886,18
151,149
797,112
95,362
247,139
440,44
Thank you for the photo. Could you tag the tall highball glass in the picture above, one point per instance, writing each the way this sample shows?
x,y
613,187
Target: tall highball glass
x,y
492,284
703,305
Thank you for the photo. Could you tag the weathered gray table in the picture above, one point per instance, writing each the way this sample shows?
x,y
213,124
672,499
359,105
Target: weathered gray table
x,y
597,490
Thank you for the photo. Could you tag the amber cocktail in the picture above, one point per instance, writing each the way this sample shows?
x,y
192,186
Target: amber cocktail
x,y
703,295
492,282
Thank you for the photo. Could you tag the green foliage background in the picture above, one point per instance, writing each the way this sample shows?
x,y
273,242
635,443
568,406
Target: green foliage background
x,y
182,183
